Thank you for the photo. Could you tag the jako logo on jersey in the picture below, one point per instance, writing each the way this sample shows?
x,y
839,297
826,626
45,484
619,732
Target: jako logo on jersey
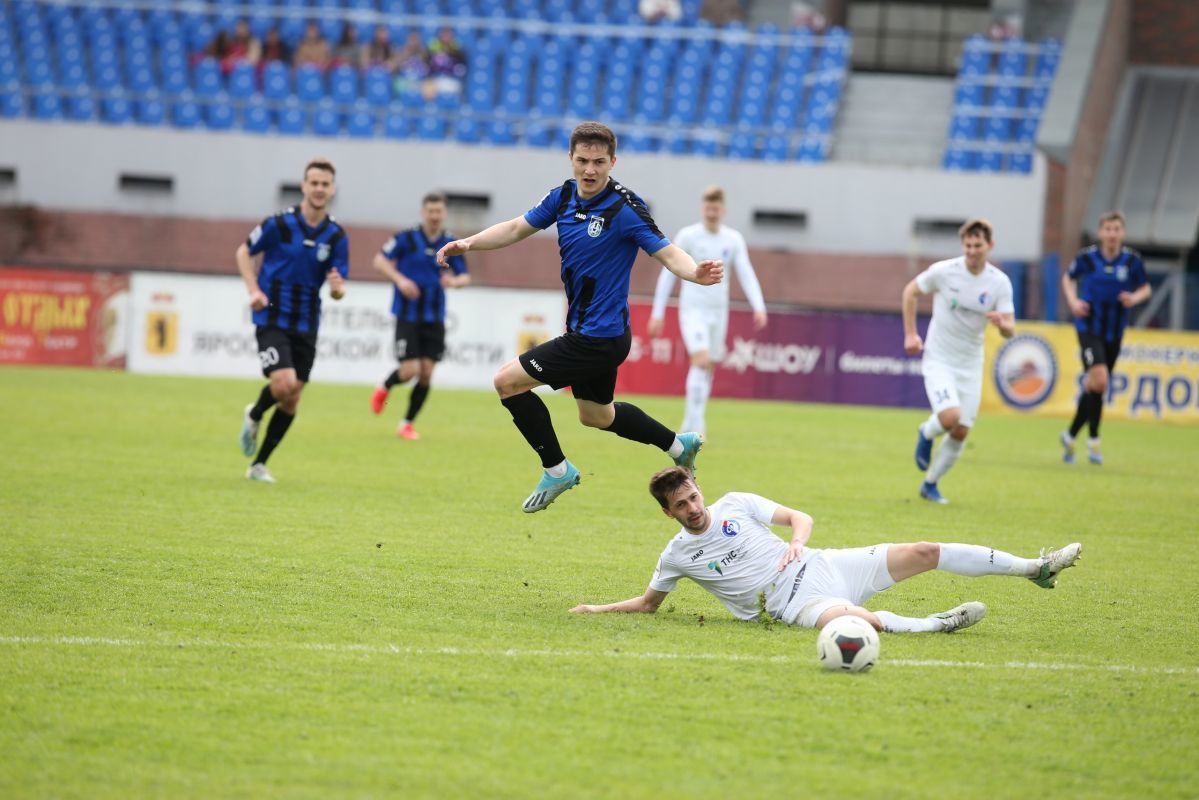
x,y
1025,371
533,363
729,527
595,227
715,567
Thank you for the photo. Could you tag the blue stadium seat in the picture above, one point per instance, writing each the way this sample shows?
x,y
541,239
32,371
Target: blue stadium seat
x,y
1048,56
11,104
777,148
70,76
290,120
343,84
242,80
361,122
46,105
1026,129
326,121
432,127
1021,163
116,109
276,84
309,83
812,149
538,134
742,146
468,129
256,117
174,75
990,161
956,159
141,79
378,87
218,114
206,78
968,95
81,107
151,110
186,114
1036,97
500,132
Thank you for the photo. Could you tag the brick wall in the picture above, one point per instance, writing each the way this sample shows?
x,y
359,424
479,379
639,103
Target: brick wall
x,y
1165,32
84,240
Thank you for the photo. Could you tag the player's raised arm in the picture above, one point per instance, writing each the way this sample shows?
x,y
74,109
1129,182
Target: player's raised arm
x,y
912,343
497,236
677,260
645,604
801,530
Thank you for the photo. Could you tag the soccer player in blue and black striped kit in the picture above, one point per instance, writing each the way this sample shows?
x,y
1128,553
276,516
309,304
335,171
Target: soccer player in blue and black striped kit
x,y
409,260
300,249
1103,283
601,226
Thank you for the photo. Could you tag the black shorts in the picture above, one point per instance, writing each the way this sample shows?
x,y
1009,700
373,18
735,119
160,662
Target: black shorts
x,y
419,340
280,349
587,364
1094,349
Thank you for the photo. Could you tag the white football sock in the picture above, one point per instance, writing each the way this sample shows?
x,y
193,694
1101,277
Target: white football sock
x,y
973,560
932,427
675,449
698,388
893,623
557,471
945,457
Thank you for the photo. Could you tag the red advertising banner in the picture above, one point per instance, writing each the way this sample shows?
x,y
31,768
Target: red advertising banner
x,y
62,318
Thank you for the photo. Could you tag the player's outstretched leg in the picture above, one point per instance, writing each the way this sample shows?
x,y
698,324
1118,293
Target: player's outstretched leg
x,y
1053,562
549,487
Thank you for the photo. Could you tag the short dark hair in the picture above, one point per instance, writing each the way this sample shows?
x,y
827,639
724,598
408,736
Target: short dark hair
x,y
976,227
593,133
434,197
321,164
1112,216
666,482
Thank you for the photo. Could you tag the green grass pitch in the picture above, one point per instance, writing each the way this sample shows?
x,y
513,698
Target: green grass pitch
x,y
386,622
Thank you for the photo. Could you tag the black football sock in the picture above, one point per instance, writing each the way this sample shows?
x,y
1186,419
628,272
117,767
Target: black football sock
x,y
1082,414
1096,414
392,380
532,419
264,403
419,392
633,423
280,422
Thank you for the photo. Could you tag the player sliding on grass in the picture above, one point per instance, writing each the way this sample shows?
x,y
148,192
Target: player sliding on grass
x,y
969,294
601,225
728,549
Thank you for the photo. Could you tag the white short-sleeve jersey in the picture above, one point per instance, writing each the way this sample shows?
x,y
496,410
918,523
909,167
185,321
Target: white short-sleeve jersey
x,y
735,559
726,245
960,304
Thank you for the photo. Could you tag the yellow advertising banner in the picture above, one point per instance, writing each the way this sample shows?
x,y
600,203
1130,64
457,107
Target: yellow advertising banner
x,y
1039,371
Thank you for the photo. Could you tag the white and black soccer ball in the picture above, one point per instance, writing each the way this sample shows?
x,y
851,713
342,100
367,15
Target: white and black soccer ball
x,y
847,644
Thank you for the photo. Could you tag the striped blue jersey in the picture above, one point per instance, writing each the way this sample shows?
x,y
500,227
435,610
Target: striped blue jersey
x,y
295,260
415,256
1100,283
598,239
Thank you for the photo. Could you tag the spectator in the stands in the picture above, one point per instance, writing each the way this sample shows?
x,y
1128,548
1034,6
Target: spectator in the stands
x,y
243,46
313,48
218,48
655,10
411,64
274,49
379,51
447,65
722,12
348,47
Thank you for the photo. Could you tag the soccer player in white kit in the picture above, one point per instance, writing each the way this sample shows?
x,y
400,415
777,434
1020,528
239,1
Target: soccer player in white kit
x,y
704,310
729,550
970,292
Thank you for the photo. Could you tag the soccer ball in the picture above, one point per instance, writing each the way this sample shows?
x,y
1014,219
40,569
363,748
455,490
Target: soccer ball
x,y
847,644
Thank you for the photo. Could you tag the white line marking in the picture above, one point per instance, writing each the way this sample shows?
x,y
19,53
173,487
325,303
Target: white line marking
x,y
468,652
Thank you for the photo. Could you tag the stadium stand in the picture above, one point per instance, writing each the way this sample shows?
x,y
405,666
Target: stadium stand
x,y
999,97
534,69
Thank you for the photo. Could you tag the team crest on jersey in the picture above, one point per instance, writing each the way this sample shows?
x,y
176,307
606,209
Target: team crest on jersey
x,y
982,299
322,252
730,527
595,227
1121,273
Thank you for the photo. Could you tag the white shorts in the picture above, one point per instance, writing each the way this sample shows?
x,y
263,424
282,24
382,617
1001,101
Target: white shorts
x,y
704,329
953,387
837,578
